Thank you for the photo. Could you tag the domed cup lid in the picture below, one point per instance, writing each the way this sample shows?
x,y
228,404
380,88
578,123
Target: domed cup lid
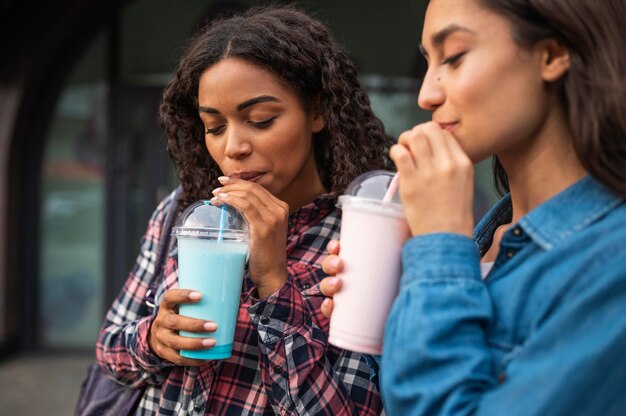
x,y
370,189
205,220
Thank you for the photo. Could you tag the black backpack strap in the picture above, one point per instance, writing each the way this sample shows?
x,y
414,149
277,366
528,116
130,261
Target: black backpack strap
x,y
163,248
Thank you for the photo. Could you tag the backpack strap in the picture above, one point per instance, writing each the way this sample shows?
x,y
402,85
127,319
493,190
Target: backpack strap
x,y
163,247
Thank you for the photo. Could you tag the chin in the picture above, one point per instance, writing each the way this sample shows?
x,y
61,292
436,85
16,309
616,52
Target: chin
x,y
478,159
474,155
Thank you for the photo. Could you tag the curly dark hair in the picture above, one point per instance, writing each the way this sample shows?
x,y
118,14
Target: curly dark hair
x,y
299,51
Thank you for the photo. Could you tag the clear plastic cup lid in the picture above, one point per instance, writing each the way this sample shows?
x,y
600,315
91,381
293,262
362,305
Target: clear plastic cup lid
x,y
204,220
369,189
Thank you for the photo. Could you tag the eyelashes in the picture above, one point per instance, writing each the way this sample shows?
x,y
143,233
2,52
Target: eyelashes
x,y
262,124
452,60
214,130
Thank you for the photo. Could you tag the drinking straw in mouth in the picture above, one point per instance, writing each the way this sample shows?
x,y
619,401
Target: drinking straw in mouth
x,y
220,235
393,187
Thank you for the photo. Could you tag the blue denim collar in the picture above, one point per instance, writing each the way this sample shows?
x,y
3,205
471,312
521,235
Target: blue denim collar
x,y
555,220
500,213
569,212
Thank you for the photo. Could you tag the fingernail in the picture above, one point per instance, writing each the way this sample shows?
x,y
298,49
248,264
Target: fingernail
x,y
223,179
223,195
332,281
334,262
195,295
210,326
216,191
208,342
332,245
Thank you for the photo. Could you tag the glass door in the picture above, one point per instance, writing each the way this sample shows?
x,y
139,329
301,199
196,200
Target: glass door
x,y
72,212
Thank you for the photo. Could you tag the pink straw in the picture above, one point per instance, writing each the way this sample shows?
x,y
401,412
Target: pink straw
x,y
393,187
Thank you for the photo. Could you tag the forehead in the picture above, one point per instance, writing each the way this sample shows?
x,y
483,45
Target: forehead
x,y
236,79
235,70
467,14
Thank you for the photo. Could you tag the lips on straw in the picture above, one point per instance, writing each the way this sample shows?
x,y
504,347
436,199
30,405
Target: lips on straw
x,y
393,187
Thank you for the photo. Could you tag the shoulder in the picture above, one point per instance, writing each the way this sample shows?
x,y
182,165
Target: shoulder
x,y
596,257
166,205
605,236
159,215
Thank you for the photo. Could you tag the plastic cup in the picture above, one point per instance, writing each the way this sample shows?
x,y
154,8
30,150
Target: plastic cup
x,y
212,255
372,235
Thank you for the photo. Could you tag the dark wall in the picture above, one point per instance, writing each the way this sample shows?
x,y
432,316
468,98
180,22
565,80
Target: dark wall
x,y
39,43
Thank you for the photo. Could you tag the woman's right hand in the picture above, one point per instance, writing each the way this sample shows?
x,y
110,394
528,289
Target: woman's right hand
x,y
436,181
163,337
331,285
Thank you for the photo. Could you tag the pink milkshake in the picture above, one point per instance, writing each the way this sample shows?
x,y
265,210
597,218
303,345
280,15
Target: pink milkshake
x,y
372,235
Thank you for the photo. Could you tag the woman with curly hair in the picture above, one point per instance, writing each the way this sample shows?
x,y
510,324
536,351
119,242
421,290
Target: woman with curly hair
x,y
265,113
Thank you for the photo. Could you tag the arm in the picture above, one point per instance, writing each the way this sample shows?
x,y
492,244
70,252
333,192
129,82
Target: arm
x,y
435,331
122,349
301,372
437,361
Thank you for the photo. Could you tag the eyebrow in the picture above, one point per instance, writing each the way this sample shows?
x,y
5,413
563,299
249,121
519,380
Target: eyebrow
x,y
244,105
438,38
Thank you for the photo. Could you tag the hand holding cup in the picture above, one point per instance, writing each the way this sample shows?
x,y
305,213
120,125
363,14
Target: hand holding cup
x,y
329,286
373,229
267,217
163,338
212,251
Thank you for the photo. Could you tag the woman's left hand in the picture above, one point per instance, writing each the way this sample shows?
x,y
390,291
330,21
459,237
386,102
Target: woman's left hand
x,y
267,218
436,181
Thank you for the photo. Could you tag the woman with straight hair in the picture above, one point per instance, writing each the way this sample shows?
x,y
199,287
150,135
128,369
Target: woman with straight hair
x,y
525,314
265,114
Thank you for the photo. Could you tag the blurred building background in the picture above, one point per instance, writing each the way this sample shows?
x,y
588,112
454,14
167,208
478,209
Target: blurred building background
x,y
83,162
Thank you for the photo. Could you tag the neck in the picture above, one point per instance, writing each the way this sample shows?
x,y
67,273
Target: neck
x,y
302,199
543,168
305,187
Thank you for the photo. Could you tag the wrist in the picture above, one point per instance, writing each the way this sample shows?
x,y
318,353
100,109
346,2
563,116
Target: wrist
x,y
150,341
270,285
463,227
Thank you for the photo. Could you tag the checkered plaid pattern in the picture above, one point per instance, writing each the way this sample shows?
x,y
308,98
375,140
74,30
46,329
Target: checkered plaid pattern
x,y
281,362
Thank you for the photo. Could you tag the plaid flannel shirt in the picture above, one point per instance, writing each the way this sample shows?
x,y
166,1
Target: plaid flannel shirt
x,y
281,362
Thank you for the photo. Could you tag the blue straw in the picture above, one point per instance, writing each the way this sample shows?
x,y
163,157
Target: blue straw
x,y
220,235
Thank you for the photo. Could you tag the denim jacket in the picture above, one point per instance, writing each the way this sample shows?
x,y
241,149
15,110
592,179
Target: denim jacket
x,y
543,334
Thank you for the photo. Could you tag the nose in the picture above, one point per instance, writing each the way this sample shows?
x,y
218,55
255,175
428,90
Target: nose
x,y
431,93
238,144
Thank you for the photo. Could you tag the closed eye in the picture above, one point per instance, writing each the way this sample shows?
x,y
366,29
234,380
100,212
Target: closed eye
x,y
263,123
453,59
214,130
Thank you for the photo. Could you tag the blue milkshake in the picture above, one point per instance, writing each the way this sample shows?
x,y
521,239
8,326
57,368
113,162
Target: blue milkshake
x,y
212,253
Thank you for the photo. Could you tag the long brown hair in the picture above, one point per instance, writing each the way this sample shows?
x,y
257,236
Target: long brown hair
x,y
301,52
594,89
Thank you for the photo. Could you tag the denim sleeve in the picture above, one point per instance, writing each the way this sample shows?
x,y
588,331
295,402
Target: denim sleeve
x,y
436,360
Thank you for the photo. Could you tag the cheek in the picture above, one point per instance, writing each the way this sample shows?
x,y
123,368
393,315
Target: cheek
x,y
214,151
293,138
472,101
497,110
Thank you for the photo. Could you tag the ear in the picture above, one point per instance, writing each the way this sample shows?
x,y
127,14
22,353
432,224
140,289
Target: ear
x,y
318,121
554,60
